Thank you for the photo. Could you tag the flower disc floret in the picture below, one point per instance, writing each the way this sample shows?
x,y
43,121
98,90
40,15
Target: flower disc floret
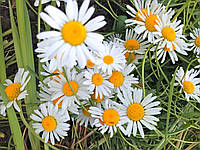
x,y
68,91
132,44
197,41
110,117
49,123
188,87
74,33
117,78
135,112
56,100
169,33
97,79
13,91
89,64
108,59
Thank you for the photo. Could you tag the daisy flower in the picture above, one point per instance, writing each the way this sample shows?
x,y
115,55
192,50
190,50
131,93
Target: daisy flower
x,y
74,33
15,91
134,43
51,121
46,1
63,91
195,42
50,74
169,34
46,96
146,17
123,80
189,83
97,81
2,107
84,117
110,58
107,118
137,112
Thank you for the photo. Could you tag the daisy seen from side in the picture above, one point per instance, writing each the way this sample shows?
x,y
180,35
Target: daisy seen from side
x,y
51,121
189,83
84,117
74,33
195,42
137,111
16,90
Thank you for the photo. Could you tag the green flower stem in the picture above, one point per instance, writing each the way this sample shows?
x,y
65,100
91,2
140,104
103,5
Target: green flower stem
x,y
135,147
143,63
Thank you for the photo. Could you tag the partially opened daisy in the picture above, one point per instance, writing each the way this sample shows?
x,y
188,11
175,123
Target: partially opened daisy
x,y
189,83
84,117
99,101
63,92
16,91
46,1
137,112
170,38
49,73
134,43
51,121
97,81
123,80
195,42
107,118
73,35
133,58
110,58
146,17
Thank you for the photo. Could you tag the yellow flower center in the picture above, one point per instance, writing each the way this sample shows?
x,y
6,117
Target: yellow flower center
x,y
56,100
13,91
141,12
89,64
108,59
74,33
49,123
97,79
197,41
188,87
132,44
85,112
98,99
110,117
67,90
150,22
169,33
132,56
56,71
117,78
135,112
